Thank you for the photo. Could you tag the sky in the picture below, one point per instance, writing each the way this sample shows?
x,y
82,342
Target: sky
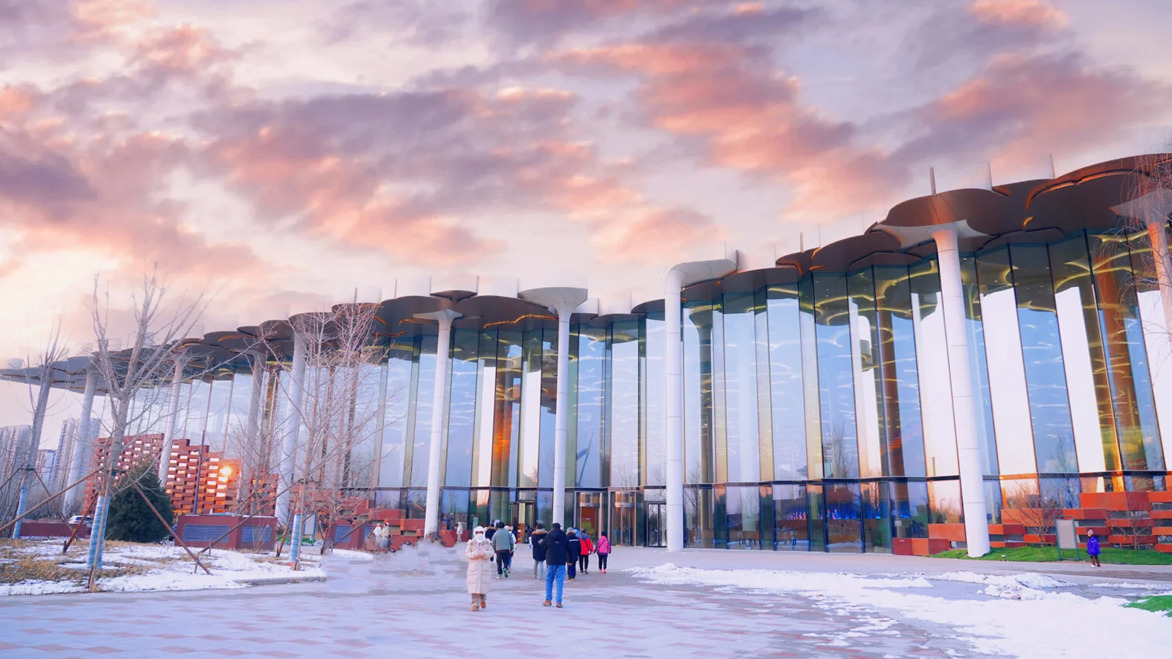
x,y
281,155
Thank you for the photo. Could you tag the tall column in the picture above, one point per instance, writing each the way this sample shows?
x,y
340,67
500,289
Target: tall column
x,y
562,301
562,397
82,444
439,415
964,405
292,427
250,464
172,421
684,274
673,435
380,423
30,463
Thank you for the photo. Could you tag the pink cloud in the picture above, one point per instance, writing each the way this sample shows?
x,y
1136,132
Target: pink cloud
x,y
1020,12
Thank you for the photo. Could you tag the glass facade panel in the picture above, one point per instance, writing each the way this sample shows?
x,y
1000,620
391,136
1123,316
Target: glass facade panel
x,y
623,408
1042,358
840,451
740,391
786,385
590,408
1122,336
1083,356
1006,369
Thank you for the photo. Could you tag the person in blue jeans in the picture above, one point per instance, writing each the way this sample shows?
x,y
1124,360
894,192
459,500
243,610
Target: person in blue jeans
x,y
557,554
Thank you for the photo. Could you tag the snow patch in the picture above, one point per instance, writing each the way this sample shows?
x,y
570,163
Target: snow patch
x,y
1035,623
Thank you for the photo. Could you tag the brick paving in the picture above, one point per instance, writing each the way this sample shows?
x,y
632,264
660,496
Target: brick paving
x,y
415,606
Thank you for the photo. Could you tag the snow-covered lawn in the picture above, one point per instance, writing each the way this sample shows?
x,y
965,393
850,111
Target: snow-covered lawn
x,y
130,567
1023,615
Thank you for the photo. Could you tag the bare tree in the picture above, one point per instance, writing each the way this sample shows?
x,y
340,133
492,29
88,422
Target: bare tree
x,y
1037,512
39,378
146,361
335,456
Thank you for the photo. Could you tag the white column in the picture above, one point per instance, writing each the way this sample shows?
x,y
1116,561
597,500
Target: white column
x,y
684,274
963,400
82,444
439,417
673,434
251,462
562,301
560,413
380,423
292,428
172,421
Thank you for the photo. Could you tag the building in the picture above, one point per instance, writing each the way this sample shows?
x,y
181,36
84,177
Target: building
x,y
191,466
974,354
200,480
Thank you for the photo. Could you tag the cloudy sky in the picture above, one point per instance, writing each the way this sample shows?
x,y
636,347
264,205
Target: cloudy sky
x,y
285,153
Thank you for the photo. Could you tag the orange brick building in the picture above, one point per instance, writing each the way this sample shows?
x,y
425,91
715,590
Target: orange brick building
x,y
197,477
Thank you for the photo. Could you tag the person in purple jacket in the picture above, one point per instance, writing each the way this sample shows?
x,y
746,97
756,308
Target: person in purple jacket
x,y
1093,547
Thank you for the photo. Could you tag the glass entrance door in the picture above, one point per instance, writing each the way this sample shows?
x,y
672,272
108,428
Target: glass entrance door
x,y
623,519
589,513
522,518
656,520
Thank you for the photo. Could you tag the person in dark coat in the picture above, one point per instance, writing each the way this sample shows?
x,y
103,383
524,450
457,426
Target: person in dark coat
x,y
537,544
575,548
557,555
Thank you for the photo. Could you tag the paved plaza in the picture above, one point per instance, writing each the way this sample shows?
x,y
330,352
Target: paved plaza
x,y
413,605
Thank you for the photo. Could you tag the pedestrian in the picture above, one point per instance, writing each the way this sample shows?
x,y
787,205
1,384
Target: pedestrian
x,y
1093,547
491,530
557,555
503,543
574,547
478,551
382,536
603,550
587,549
537,544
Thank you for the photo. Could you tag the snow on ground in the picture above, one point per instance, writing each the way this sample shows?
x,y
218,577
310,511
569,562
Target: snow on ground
x,y
166,568
1022,616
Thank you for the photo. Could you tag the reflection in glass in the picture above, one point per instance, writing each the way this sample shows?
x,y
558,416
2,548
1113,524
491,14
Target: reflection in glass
x,y
424,390
1007,383
462,410
928,368
787,388
698,419
844,529
1083,356
1042,357
652,394
591,363
1122,337
871,394
623,412
840,453
740,394
791,528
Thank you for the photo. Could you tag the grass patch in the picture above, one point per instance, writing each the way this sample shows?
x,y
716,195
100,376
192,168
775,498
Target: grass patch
x,y
1050,554
1157,603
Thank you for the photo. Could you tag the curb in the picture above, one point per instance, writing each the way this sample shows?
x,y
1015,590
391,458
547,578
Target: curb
x,y
279,581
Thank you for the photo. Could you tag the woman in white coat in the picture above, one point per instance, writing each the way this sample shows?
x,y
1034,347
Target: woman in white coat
x,y
478,551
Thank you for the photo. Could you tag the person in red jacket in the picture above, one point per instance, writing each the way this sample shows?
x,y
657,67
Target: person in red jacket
x,y
587,549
